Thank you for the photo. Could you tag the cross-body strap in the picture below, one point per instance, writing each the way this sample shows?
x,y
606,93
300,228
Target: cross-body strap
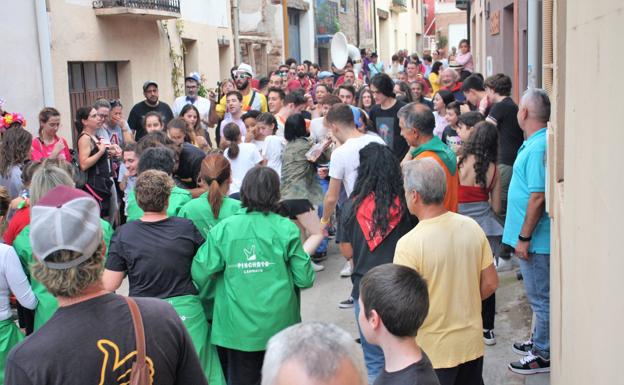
x,y
140,370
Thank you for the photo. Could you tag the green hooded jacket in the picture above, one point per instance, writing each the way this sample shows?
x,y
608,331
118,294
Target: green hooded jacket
x,y
442,150
199,212
259,266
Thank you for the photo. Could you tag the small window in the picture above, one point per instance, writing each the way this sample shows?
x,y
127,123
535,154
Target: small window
x,y
344,6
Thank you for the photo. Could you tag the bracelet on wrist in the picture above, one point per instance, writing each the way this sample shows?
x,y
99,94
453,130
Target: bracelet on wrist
x,y
324,221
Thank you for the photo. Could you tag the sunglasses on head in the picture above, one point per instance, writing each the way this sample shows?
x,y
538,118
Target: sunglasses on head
x,y
115,103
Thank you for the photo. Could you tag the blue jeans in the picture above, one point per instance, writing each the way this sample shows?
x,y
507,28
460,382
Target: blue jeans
x,y
322,248
373,355
536,278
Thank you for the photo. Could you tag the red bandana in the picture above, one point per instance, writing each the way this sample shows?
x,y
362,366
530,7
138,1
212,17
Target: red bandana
x,y
364,217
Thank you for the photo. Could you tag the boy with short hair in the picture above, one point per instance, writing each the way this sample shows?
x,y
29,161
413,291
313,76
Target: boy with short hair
x,y
394,302
128,170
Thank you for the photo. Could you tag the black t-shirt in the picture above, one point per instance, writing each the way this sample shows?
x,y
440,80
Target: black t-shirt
x,y
157,256
448,131
387,125
138,112
88,343
363,258
510,136
190,165
418,373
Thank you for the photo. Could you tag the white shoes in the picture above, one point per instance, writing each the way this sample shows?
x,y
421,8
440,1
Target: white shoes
x,y
317,267
347,270
504,264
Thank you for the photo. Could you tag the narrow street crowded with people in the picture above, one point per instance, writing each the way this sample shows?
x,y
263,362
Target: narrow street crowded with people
x,y
270,192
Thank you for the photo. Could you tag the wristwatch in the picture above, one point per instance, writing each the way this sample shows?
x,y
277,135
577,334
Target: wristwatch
x,y
523,238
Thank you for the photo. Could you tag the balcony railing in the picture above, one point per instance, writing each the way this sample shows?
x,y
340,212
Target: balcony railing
x,y
399,5
154,9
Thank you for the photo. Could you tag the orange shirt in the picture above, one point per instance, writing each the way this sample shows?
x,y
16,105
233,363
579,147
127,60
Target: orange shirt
x,y
452,181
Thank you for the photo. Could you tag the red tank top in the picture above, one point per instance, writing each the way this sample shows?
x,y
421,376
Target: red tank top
x,y
471,194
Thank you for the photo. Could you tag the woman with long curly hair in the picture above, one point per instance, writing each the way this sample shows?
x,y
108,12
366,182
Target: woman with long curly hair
x,y
372,222
366,101
15,150
480,196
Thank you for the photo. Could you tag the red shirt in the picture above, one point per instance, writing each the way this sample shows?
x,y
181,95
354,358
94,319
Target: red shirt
x,y
20,219
40,150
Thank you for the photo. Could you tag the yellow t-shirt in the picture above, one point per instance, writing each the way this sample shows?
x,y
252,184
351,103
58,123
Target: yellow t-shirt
x,y
449,251
433,79
259,103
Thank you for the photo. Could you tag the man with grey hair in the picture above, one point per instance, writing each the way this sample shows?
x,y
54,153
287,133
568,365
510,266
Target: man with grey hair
x,y
313,353
417,123
453,255
527,228
449,80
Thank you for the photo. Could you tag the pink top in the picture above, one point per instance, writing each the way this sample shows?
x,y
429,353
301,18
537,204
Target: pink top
x,y
41,151
465,60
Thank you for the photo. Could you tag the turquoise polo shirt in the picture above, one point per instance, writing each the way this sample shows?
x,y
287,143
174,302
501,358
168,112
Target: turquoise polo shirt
x,y
529,176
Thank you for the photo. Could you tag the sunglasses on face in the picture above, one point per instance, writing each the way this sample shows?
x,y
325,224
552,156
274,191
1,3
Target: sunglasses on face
x,y
242,76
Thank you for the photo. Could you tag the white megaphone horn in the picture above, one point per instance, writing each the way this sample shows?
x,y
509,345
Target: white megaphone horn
x,y
341,51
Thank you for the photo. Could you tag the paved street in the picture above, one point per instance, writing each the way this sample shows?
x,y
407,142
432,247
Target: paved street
x,y
513,318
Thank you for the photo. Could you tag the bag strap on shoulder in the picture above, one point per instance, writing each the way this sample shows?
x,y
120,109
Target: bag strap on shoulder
x,y
140,371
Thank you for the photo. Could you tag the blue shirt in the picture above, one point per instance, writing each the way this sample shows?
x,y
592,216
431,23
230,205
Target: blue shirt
x,y
529,176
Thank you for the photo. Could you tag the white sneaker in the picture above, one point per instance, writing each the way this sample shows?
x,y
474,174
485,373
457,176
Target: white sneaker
x,y
317,267
488,337
504,265
347,270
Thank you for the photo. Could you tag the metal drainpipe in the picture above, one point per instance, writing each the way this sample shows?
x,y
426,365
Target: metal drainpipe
x,y
43,31
534,51
235,32
468,24
357,22
285,28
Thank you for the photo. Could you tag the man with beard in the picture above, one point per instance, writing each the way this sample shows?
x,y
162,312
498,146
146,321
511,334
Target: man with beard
x,y
302,81
252,99
151,103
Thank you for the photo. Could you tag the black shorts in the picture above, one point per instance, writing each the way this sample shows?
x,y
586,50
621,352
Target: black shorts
x,y
292,207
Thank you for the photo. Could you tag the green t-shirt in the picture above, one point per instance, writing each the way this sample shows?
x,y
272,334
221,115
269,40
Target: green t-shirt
x,y
259,266
47,302
199,212
178,198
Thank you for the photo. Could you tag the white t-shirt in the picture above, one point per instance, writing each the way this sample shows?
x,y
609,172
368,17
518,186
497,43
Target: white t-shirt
x,y
202,105
346,159
247,158
318,131
271,149
13,280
